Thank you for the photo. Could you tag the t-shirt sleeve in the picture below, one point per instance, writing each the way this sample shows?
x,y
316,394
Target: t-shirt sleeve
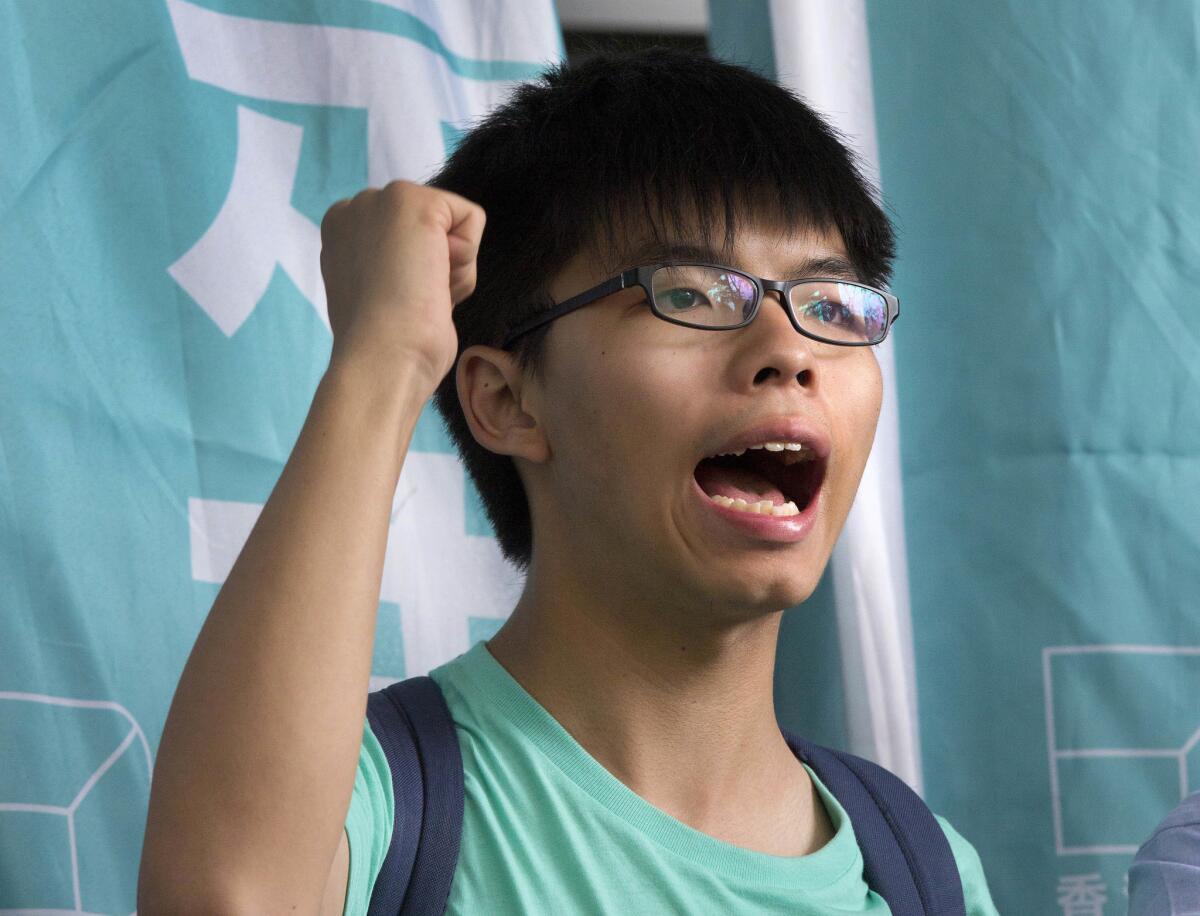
x,y
975,889
368,822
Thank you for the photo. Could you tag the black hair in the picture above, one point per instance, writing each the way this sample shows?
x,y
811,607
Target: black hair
x,y
660,146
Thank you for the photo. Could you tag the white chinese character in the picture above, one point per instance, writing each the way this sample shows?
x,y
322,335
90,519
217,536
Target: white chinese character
x,y
407,90
1082,895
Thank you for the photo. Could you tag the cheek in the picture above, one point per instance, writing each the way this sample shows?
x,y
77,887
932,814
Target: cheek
x,y
869,400
619,419
855,404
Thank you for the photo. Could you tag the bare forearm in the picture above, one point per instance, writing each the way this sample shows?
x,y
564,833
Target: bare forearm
x,y
257,759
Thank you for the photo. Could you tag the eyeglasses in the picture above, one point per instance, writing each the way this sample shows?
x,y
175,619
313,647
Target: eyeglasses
x,y
711,297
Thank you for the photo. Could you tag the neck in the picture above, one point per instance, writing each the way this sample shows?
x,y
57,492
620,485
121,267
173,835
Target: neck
x,y
679,710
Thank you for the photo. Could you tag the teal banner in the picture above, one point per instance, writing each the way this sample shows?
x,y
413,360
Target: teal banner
x,y
1040,159
165,169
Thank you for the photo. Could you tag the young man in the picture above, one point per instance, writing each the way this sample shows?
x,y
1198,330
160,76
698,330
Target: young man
x,y
672,462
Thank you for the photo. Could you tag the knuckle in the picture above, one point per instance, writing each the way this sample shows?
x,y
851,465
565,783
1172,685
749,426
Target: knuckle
x,y
333,212
399,191
329,226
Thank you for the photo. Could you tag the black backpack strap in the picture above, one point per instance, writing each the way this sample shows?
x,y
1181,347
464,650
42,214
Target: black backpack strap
x,y
413,724
907,859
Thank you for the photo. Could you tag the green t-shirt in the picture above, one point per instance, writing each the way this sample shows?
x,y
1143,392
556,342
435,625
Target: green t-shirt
x,y
547,829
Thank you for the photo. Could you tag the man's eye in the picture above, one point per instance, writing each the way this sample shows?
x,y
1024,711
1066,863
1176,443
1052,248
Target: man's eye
x,y
682,298
829,311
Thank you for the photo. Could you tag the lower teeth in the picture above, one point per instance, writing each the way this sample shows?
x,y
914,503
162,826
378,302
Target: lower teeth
x,y
762,507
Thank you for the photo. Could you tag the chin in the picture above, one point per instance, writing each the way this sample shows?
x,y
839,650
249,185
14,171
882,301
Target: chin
x,y
760,593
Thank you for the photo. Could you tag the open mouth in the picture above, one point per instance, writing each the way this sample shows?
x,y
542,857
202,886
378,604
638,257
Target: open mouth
x,y
770,479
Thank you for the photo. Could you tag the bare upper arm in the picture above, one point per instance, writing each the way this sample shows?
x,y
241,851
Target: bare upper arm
x,y
333,901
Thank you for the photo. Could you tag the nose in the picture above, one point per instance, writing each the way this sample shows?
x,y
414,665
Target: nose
x,y
774,352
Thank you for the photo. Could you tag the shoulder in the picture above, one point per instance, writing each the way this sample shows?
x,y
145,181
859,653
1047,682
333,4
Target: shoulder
x,y
976,895
1182,821
1166,870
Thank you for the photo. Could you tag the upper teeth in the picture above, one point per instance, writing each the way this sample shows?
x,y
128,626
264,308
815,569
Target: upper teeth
x,y
770,447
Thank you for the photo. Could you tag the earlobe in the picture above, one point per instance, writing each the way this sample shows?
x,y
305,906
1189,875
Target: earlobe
x,y
491,391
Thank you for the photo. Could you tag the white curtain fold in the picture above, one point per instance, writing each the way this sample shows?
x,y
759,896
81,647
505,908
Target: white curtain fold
x,y
822,52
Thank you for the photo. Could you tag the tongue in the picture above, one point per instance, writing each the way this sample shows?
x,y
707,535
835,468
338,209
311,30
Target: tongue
x,y
737,483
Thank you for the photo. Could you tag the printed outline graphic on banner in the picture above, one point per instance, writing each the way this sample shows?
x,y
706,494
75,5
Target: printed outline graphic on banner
x,y
69,810
1057,754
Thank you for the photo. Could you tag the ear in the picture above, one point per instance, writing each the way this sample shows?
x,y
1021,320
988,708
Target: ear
x,y
496,401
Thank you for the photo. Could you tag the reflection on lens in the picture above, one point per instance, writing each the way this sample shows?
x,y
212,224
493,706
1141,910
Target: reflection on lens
x,y
840,311
741,286
703,296
715,297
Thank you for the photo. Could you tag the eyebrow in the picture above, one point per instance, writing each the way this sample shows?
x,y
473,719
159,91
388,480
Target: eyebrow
x,y
828,265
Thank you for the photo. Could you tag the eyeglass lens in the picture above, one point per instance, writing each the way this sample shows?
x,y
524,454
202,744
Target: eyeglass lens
x,y
711,297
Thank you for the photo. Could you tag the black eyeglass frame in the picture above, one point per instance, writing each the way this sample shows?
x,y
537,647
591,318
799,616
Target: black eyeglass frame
x,y
641,276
